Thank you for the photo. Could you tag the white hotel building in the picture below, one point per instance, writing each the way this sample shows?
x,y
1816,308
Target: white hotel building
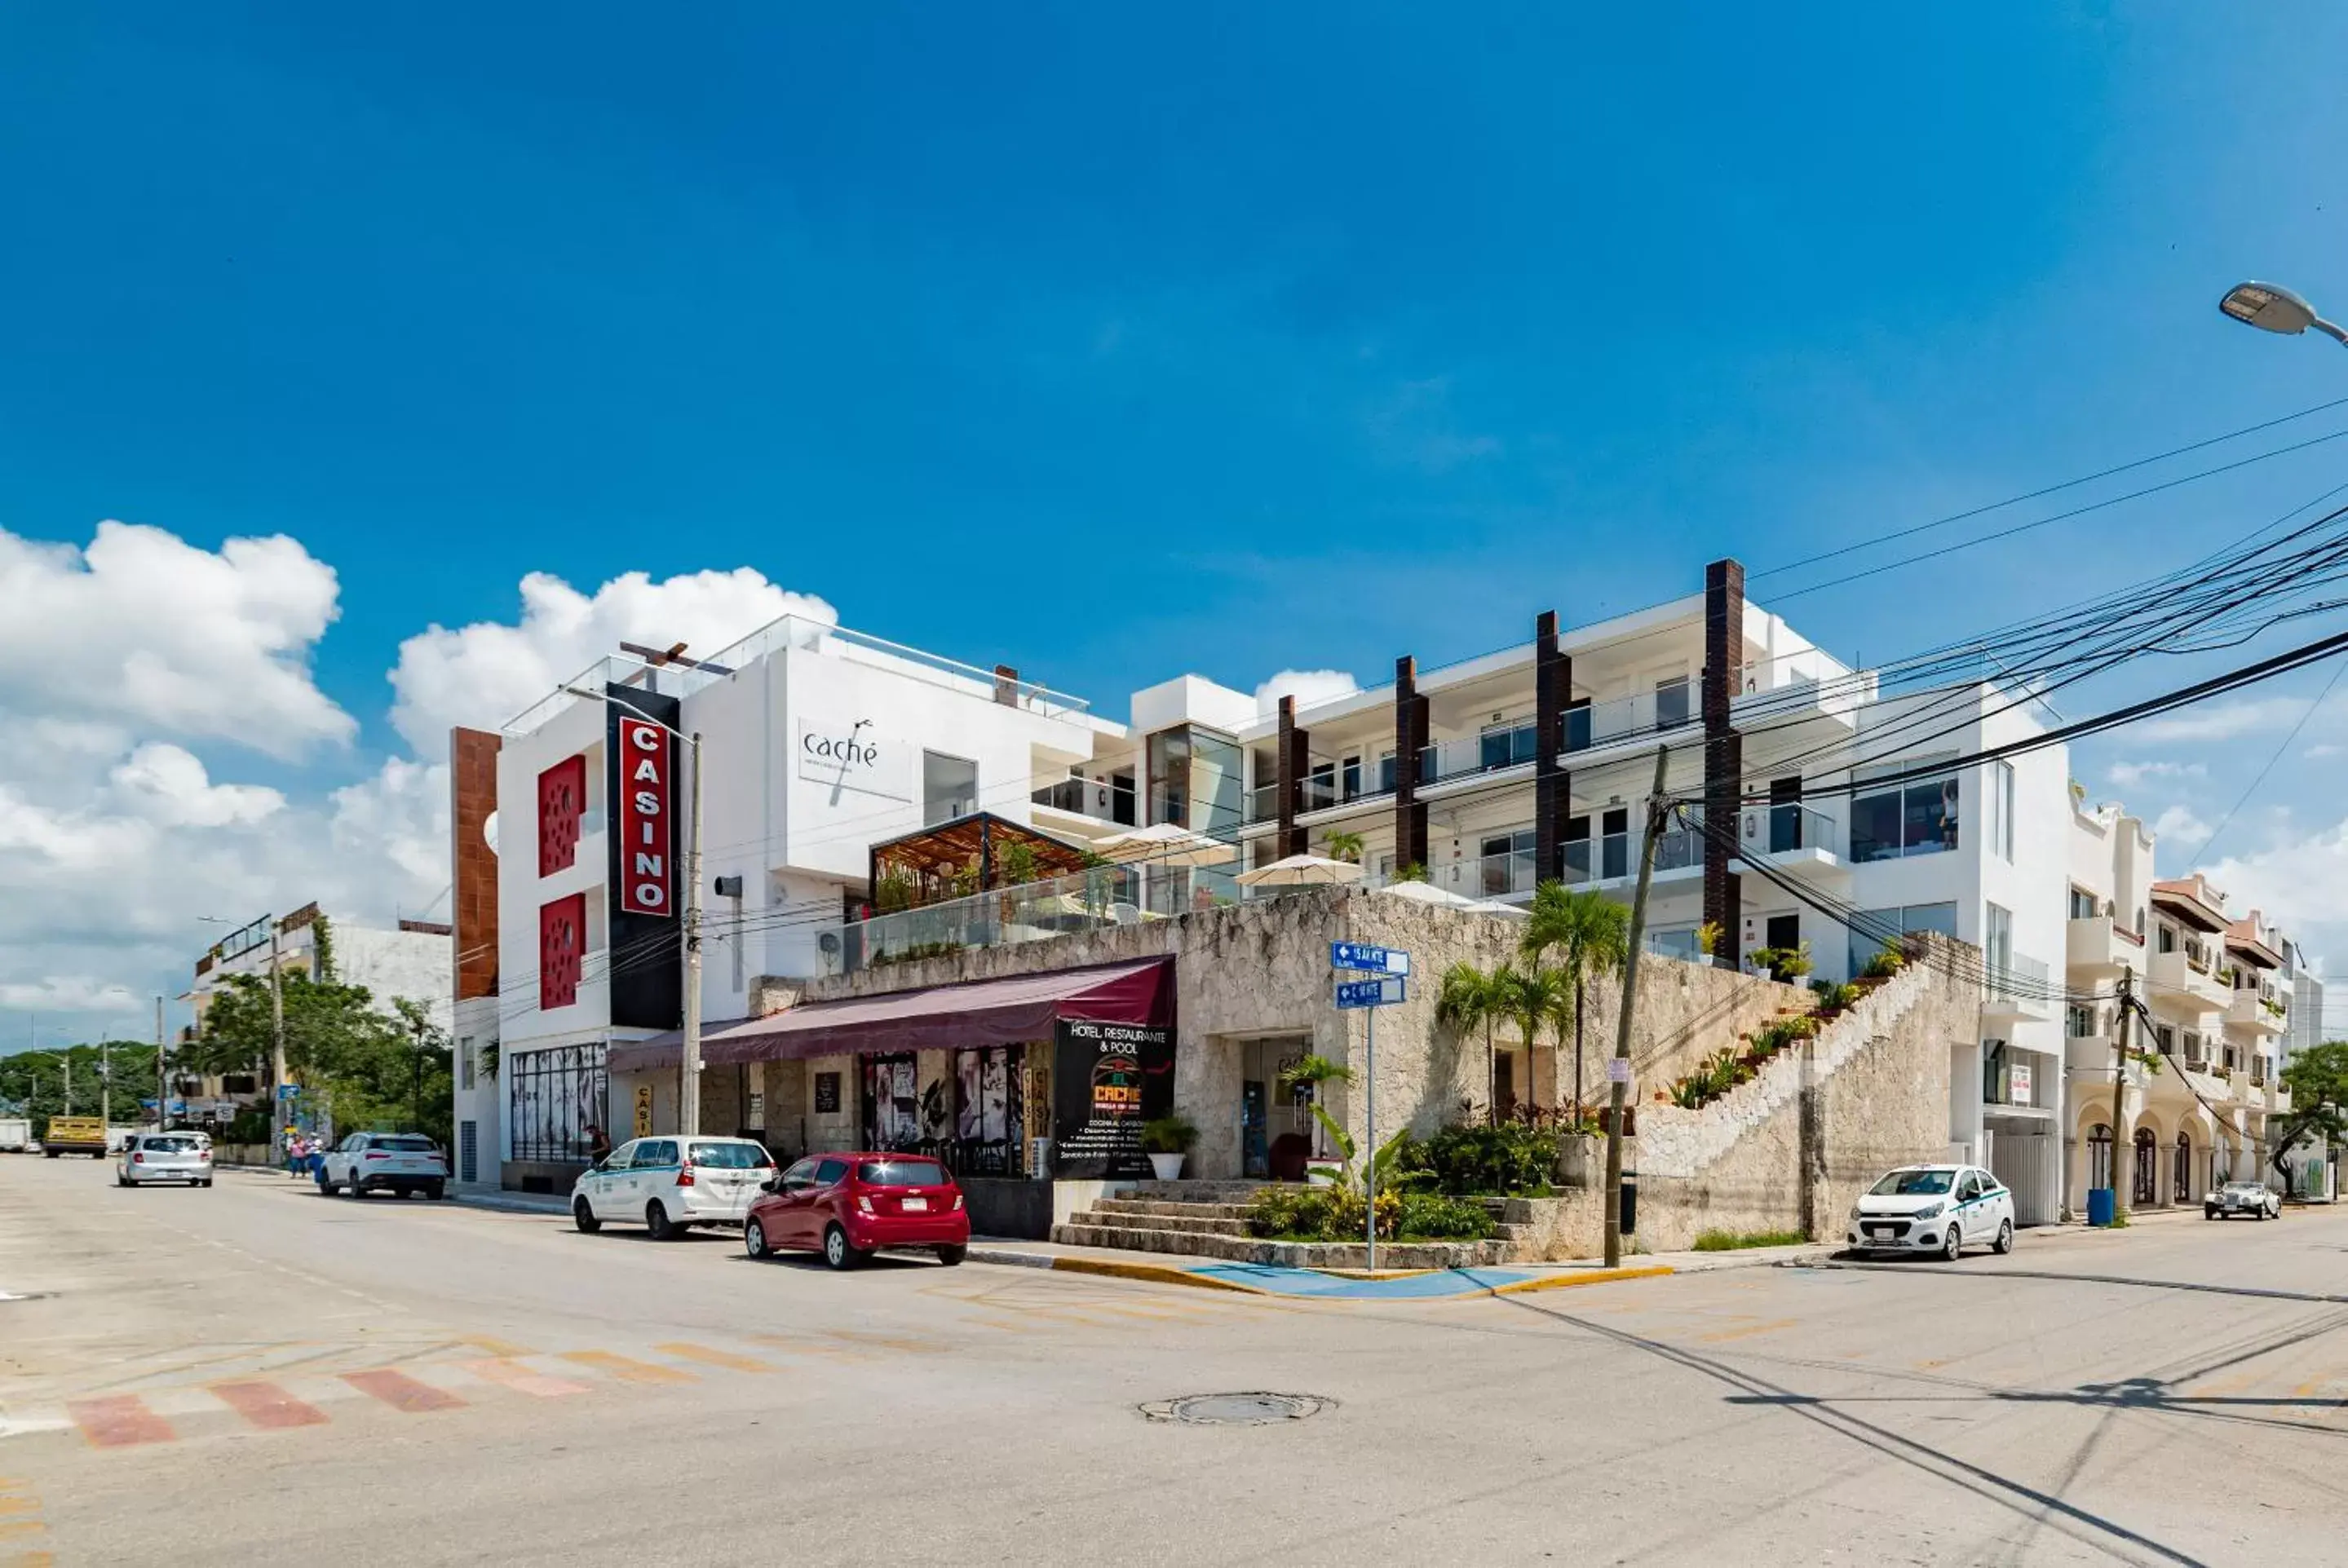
x,y
821,747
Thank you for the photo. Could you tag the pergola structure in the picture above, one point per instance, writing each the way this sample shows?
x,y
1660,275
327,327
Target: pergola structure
x,y
935,856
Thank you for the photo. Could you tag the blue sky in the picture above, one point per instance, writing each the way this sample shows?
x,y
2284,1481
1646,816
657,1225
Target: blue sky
x,y
1112,342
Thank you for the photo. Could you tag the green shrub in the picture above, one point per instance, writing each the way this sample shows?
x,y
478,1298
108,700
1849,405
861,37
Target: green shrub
x,y
1433,1217
1167,1135
1336,1214
1511,1157
1733,1241
1887,963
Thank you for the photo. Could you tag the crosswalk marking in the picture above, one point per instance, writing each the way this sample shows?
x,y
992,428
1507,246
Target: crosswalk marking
x,y
627,1368
267,1406
402,1392
510,1374
724,1358
118,1420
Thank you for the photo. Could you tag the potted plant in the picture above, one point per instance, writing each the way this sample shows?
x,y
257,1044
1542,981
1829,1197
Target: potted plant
x,y
1303,1079
1166,1140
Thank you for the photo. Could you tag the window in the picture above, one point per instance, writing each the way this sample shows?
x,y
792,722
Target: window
x,y
1507,864
1505,745
1614,846
1918,816
901,1173
2099,1155
553,1097
465,1064
2184,1168
1577,724
1912,1183
1671,702
2001,809
803,1175
830,1170
1995,1082
1350,778
1997,947
1386,773
1897,921
2079,1022
731,1156
2084,905
655,1152
1577,849
949,788
2167,943
1320,786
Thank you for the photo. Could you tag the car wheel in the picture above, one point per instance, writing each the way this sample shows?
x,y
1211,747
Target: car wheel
x,y
2004,1242
436,1191
657,1220
951,1256
754,1241
205,1183
351,1189
836,1250
120,1180
1954,1247
583,1217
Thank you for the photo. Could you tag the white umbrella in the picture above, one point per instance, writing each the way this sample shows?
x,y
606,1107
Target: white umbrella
x,y
1428,893
1163,844
1297,870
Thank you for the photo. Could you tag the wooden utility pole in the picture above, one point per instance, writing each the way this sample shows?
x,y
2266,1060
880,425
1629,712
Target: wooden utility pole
x,y
1618,1074
2122,1140
162,1078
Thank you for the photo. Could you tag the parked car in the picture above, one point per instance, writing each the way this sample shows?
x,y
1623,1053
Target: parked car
x,y
150,1157
15,1134
848,1206
2255,1199
670,1185
1939,1209
399,1162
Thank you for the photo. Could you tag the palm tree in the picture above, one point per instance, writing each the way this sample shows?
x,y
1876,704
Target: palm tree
x,y
1343,847
1591,935
1532,997
1471,999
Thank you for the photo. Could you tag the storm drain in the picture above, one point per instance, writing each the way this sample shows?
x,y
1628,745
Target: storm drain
x,y
1256,1409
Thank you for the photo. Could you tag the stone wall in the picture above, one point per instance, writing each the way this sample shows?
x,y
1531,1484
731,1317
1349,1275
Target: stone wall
x,y
1873,1089
1261,969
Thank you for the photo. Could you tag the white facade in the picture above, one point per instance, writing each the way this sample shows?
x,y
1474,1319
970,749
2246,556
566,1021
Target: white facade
x,y
405,965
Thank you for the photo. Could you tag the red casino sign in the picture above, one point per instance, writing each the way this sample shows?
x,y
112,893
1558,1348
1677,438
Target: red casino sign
x,y
647,836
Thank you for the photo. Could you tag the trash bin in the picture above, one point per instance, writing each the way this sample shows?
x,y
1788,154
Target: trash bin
x,y
2101,1206
1629,1203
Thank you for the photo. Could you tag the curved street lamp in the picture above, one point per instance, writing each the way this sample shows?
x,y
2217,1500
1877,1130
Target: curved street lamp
x,y
2270,307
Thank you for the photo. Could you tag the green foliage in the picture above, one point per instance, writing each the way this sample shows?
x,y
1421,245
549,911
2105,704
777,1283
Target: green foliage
x,y
1588,933
1314,1071
1339,1215
1733,1241
1435,1217
1167,1135
365,1069
1343,847
1787,964
488,1058
1411,872
1017,865
1833,997
1513,1157
914,954
894,891
2317,1080
33,1084
1887,962
321,940
1707,937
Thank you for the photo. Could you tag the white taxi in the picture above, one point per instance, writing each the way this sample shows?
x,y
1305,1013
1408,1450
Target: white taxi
x,y
1935,1209
670,1184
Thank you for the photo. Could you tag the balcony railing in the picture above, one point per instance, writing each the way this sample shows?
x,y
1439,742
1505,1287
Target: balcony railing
x,y
2019,980
1508,875
1626,718
1788,827
1036,911
1080,797
1488,753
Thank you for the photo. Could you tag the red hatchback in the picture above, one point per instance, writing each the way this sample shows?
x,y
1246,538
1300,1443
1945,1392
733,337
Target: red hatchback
x,y
848,1206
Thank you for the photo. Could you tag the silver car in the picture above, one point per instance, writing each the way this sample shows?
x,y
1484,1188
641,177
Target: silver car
x,y
150,1157
2255,1199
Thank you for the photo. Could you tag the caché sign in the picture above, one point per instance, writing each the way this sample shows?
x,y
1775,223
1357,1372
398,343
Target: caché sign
x,y
1108,1079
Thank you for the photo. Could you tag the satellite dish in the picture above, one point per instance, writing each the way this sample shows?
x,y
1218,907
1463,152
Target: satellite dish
x,y
829,941
489,832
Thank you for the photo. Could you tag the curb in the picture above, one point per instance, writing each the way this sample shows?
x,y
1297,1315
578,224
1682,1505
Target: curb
x,y
1567,1281
1155,1274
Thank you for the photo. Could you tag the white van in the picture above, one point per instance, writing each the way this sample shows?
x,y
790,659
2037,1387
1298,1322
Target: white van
x,y
668,1184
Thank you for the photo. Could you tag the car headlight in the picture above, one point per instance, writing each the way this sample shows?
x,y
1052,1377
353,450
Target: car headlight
x,y
1930,1211
1855,1213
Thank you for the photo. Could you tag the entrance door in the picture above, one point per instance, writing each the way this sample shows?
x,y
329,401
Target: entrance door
x,y
1255,1142
1783,932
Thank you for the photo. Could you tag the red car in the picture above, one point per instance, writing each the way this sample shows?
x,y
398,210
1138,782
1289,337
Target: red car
x,y
848,1206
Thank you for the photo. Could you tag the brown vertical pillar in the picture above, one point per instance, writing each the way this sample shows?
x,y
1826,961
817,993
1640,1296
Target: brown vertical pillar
x,y
1410,739
1724,749
1553,688
1290,839
473,901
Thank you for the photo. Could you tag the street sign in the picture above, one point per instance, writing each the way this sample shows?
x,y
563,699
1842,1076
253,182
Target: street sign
x,y
289,1092
1617,1069
1363,956
1383,993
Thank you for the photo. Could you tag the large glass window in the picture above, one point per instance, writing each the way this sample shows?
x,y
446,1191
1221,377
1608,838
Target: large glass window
x,y
1918,816
949,788
1997,944
2001,809
1196,780
1577,724
1671,702
2099,1155
1899,920
1577,849
1614,846
555,1096
1505,745
2084,905
1507,863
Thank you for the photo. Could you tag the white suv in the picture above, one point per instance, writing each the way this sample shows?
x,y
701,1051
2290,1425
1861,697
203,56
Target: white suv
x,y
646,1180
399,1163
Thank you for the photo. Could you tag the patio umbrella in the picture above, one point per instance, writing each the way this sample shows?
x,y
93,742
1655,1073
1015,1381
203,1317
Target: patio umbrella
x,y
1297,870
1163,844
1428,893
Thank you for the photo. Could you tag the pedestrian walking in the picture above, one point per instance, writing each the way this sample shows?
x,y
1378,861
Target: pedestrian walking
x,y
598,1143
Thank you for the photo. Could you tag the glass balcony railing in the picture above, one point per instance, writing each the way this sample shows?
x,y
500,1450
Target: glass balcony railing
x,y
1488,753
1507,874
1625,718
1788,827
1037,911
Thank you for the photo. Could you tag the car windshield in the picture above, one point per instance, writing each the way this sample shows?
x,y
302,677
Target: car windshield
x,y
408,1145
731,1156
2244,1189
1912,1184
901,1173
171,1146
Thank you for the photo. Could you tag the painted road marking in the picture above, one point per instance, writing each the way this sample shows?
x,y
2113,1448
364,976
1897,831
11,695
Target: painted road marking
x,y
1746,1331
504,1349
626,1368
708,1357
119,1422
402,1392
268,1406
510,1374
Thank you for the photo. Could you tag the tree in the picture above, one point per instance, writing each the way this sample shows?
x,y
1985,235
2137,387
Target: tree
x,y
1591,935
1533,997
2317,1080
362,1067
1470,1000
1343,847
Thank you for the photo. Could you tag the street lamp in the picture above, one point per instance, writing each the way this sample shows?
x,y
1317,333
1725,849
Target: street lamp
x,y
2270,307
688,1111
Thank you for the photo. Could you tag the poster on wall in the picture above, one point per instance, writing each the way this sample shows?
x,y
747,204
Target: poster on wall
x,y
1108,1079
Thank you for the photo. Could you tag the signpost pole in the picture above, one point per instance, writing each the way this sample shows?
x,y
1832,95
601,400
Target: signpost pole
x,y
1370,1104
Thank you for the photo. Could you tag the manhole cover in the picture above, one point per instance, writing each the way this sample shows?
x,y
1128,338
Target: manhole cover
x,y
1237,1409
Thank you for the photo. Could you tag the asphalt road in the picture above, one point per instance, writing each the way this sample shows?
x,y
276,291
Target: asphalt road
x,y
254,1374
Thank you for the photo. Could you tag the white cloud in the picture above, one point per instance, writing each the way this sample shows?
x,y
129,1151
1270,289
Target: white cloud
x,y
2325,750
483,674
2224,721
2300,883
399,818
143,629
70,994
2130,776
2179,823
173,788
1307,686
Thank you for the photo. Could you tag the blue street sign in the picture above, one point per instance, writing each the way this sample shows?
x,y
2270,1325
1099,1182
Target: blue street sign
x,y
1383,993
289,1092
1363,956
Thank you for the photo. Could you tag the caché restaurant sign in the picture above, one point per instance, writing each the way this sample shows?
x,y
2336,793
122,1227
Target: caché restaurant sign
x,y
1108,1079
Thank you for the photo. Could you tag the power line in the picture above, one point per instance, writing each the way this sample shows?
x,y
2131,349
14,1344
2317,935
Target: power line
x,y
2227,821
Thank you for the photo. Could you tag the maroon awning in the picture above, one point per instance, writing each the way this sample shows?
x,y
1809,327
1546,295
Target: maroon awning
x,y
1006,1011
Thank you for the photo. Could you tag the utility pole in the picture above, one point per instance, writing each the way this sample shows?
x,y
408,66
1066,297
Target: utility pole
x,y
276,1021
1618,1074
688,1115
2122,1140
163,1076
105,1082
416,1095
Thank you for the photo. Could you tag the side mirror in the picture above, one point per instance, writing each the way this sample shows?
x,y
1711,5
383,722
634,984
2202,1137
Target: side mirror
x,y
771,1183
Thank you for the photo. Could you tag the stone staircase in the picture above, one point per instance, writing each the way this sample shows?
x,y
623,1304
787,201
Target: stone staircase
x,y
1208,1219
